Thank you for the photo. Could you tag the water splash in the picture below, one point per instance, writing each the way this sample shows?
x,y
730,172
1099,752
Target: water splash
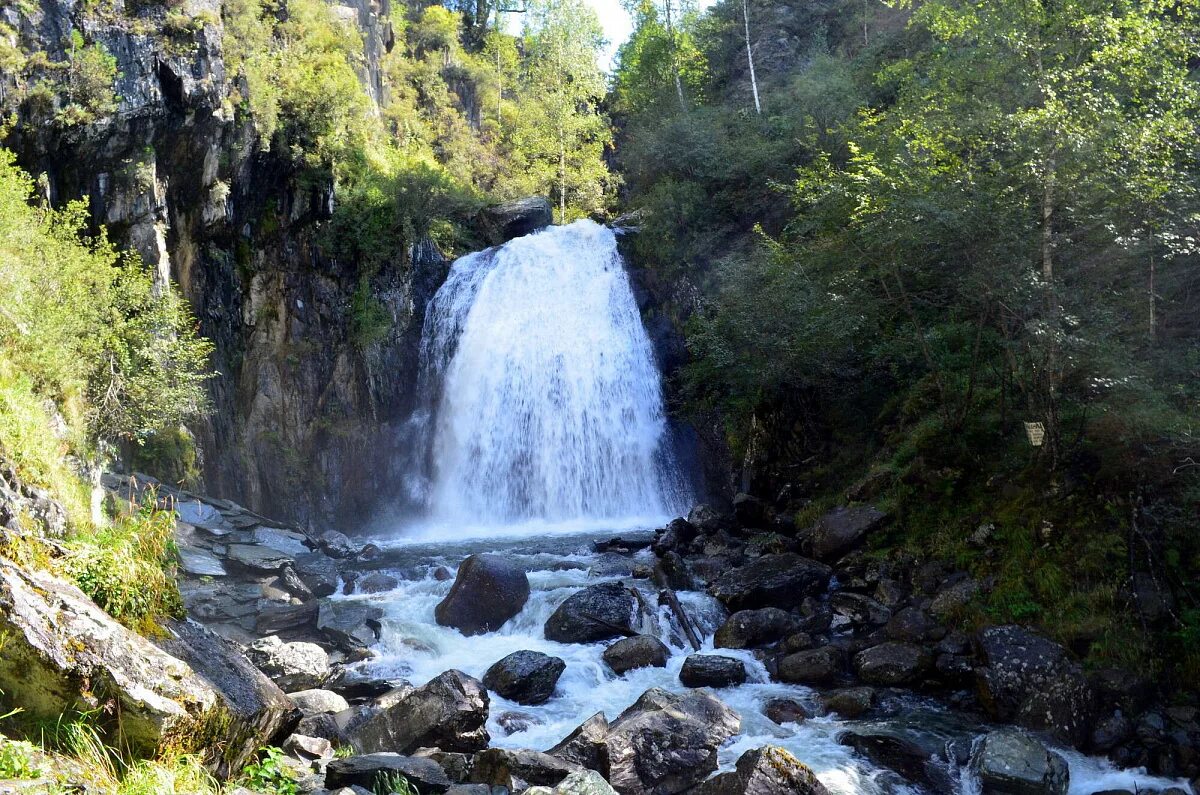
x,y
541,397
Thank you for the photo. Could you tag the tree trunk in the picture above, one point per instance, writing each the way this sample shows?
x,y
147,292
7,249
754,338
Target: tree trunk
x,y
750,56
1153,302
674,55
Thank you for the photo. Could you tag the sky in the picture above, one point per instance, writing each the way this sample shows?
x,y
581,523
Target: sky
x,y
617,27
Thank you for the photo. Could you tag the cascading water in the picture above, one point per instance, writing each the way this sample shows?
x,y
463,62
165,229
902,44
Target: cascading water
x,y
541,397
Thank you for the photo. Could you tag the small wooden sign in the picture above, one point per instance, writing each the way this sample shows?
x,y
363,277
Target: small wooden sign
x,y
1036,433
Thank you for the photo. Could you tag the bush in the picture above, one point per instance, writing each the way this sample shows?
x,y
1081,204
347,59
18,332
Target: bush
x,y
270,774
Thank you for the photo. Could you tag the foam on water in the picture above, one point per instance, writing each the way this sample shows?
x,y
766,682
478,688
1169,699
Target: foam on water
x,y
415,648
540,397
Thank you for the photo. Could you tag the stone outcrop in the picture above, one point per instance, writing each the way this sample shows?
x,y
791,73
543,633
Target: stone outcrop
x,y
62,654
449,712
503,222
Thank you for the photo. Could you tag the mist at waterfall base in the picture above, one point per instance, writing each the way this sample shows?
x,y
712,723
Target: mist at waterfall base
x,y
540,405
541,428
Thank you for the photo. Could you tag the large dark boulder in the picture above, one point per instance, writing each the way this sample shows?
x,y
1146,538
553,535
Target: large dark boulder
x,y
1033,681
666,743
748,629
712,670
640,651
815,666
488,591
598,612
771,581
519,769
350,625
769,770
909,754
526,677
368,770
674,538
843,529
892,664
449,712
1011,763
517,218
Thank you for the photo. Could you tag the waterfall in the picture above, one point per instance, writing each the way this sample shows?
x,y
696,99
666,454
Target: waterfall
x,y
540,395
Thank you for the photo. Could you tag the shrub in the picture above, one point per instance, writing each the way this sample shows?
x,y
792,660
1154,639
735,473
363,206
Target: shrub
x,y
270,774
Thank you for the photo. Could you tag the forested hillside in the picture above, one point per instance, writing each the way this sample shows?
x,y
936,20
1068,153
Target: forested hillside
x,y
948,254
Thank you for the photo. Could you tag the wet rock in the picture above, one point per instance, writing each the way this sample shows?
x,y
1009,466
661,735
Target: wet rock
x,y
320,725
672,571
748,629
366,770
666,743
517,218
1110,732
200,563
512,722
898,752
598,612
526,677
292,666
816,666
449,712
707,518
675,537
587,745
288,542
1011,763
769,770
843,529
487,592
337,545
317,701
518,769
850,702
351,625
892,664
308,748
1033,681
954,668
798,641
376,582
771,580
786,710
441,574
318,572
712,670
859,609
293,583
257,558
640,651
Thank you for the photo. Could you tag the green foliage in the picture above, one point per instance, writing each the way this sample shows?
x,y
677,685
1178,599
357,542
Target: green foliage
x,y
369,319
18,759
169,455
128,568
86,84
394,784
270,774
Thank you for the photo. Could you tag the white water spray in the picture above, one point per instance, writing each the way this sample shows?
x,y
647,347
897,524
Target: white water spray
x,y
543,401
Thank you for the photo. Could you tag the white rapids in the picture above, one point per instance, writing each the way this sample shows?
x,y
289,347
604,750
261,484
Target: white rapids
x,y
541,397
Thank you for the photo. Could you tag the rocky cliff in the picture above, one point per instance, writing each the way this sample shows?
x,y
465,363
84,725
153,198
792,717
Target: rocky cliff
x,y
175,169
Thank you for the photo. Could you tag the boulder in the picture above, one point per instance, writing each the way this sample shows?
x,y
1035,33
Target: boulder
x,y
892,664
367,770
303,747
316,702
712,670
859,609
583,782
598,612
587,746
951,600
769,770
337,545
843,529
518,769
526,677
351,625
707,518
254,711
815,666
1030,680
672,571
318,572
674,538
912,625
640,651
770,581
785,710
449,712
748,629
487,592
376,582
292,666
898,751
1011,763
516,218
665,743
257,558
850,702
750,511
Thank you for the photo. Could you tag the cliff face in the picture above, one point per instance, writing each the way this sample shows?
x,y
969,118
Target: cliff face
x,y
302,411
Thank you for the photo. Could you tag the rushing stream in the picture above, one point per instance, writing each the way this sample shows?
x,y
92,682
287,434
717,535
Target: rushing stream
x,y
541,428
